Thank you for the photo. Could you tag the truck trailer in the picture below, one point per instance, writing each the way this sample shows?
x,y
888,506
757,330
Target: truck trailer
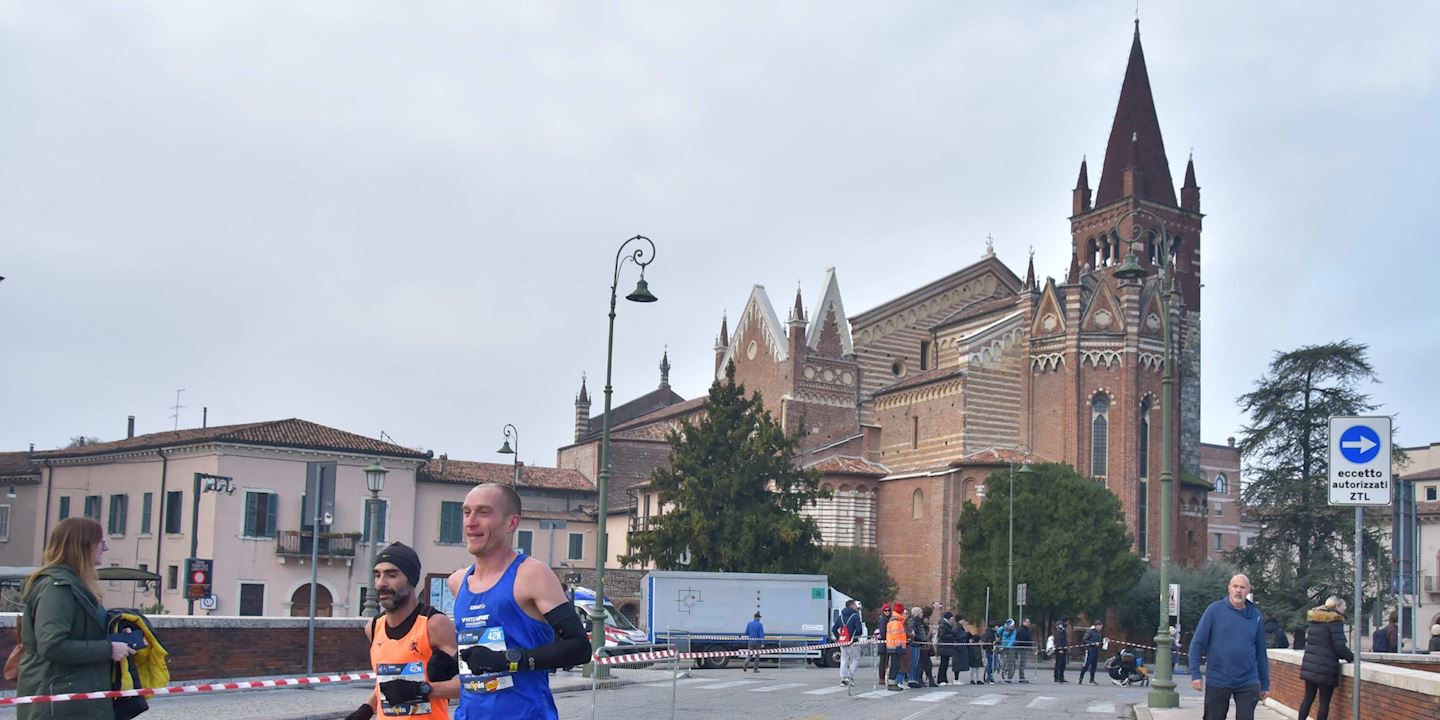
x,y
708,611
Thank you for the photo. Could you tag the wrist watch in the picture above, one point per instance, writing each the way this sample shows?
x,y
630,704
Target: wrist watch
x,y
512,659
425,690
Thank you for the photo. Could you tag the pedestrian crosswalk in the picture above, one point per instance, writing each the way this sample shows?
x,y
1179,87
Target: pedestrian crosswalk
x,y
923,695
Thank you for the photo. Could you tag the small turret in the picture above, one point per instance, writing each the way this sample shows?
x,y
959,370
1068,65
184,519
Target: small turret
x,y
1190,193
582,411
1030,285
796,330
722,343
665,369
1081,199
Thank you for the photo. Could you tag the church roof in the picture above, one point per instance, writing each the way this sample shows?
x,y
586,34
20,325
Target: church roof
x,y
641,428
657,399
830,305
847,465
977,309
1007,277
924,378
1136,123
997,456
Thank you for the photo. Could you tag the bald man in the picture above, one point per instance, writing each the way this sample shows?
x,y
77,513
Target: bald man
x,y
1231,635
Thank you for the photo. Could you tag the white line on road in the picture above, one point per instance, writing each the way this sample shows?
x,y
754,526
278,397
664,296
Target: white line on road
x,y
988,700
680,681
874,694
826,690
934,697
912,716
1107,708
1041,702
726,685
781,686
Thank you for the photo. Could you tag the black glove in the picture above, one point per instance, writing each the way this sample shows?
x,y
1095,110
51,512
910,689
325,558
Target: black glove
x,y
364,712
442,666
404,692
482,659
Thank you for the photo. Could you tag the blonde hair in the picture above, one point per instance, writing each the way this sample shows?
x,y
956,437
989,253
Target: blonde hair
x,y
72,544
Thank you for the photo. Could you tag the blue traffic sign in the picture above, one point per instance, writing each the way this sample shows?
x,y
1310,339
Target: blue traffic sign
x,y
1359,444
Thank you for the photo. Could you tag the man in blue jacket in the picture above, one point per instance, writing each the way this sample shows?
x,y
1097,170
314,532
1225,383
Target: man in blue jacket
x,y
849,629
755,640
1231,635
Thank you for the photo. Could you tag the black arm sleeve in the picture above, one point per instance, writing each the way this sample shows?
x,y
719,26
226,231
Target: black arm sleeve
x,y
570,647
443,666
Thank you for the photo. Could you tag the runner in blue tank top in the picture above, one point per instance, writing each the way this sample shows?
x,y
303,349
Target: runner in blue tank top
x,y
512,619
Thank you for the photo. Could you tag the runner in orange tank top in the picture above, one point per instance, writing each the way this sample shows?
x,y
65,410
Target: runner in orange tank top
x,y
412,646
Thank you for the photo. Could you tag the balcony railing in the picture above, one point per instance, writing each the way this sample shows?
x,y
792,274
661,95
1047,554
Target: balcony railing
x,y
299,543
643,523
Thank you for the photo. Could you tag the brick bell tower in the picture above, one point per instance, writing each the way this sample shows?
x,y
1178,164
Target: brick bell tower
x,y
1099,340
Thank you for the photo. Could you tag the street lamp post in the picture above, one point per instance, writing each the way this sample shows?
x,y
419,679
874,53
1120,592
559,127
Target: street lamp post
x,y
511,432
1162,689
641,257
1010,563
375,481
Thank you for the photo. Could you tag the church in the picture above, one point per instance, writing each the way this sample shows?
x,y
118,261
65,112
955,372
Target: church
x,y
908,406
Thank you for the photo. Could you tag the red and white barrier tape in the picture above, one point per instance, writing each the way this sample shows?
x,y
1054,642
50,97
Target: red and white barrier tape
x,y
187,689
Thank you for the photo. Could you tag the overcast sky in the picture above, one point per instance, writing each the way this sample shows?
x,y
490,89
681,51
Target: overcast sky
x,y
403,216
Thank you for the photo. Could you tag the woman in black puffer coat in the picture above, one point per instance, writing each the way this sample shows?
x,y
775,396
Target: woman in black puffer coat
x,y
1324,649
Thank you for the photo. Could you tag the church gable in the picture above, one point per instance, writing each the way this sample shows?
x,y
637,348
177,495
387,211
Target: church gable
x,y
1150,316
1103,312
829,331
1049,316
937,302
759,334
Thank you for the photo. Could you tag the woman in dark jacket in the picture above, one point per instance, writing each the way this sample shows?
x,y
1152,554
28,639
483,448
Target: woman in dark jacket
x,y
1324,649
63,627
945,637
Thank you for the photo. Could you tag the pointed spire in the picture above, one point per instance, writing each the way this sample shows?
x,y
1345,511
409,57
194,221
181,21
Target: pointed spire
x,y
1136,121
665,369
1081,199
724,332
798,313
1190,192
583,397
1030,271
1074,275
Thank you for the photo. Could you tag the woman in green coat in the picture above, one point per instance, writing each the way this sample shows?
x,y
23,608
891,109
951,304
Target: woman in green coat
x,y
63,629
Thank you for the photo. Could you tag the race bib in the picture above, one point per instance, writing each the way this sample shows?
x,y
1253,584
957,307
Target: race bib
x,y
490,637
414,672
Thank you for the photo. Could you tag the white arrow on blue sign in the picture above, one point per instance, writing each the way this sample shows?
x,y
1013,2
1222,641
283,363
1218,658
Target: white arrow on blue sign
x,y
1360,460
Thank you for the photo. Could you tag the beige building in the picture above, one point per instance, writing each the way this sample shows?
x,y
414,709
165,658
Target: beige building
x,y
237,495
1423,471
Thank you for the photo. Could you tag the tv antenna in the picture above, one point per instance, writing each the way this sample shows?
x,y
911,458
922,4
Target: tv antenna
x,y
175,409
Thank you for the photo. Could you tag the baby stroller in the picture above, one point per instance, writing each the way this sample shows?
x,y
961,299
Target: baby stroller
x,y
1127,668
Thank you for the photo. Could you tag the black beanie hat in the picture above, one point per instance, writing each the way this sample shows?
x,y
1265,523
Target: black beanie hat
x,y
402,556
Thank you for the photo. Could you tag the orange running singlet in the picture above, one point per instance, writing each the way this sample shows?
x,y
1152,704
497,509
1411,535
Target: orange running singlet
x,y
405,659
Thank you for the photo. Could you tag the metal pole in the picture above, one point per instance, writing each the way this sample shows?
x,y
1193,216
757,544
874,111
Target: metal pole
x,y
372,605
1414,569
1359,562
517,457
597,610
1010,562
1162,689
314,568
194,543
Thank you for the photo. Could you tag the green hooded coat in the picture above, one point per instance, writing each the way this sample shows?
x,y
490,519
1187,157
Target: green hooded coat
x,y
66,648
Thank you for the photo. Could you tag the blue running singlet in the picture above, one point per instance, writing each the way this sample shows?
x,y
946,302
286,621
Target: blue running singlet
x,y
493,618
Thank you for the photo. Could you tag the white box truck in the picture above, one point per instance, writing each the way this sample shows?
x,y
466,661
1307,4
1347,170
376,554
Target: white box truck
x,y
708,611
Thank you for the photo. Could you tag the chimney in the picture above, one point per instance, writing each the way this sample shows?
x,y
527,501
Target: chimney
x,y
443,458
205,417
1231,440
130,427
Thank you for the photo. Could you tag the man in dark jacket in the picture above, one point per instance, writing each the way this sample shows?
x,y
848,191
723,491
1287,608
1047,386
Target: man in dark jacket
x,y
1091,641
1231,639
919,629
1024,647
1060,640
882,658
1274,636
1324,649
853,631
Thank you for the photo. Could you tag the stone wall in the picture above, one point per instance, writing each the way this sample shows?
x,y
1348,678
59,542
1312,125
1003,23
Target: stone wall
x,y
1387,692
217,647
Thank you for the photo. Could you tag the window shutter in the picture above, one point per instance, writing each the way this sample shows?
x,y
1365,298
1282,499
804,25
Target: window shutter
x,y
272,501
251,502
384,510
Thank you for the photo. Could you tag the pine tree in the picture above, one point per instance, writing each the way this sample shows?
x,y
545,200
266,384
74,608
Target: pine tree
x,y
1304,551
1071,546
731,494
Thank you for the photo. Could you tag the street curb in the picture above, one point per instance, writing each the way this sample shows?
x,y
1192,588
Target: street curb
x,y
1140,712
340,714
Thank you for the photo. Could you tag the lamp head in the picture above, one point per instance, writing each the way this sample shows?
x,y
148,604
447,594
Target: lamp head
x,y
642,292
1025,469
375,476
1129,269
505,449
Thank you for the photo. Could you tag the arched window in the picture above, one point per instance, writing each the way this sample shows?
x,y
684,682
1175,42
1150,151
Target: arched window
x,y
1091,251
917,504
1099,435
1222,484
1145,438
